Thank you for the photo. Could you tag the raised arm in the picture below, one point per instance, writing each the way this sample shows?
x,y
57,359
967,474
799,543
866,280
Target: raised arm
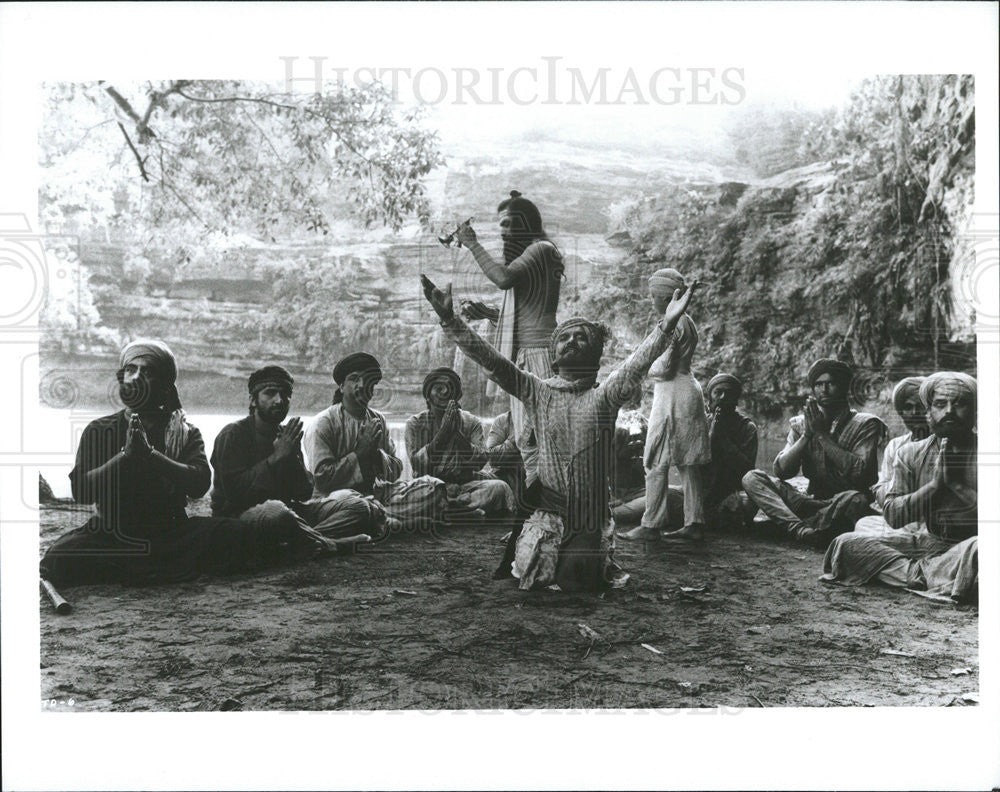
x,y
621,384
520,384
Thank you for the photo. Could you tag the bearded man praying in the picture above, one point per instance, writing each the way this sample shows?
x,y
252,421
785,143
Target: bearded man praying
x,y
909,408
836,448
260,473
348,447
934,484
530,277
569,539
446,442
139,466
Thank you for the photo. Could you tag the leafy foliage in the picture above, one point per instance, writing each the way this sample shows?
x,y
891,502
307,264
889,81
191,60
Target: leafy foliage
x,y
849,258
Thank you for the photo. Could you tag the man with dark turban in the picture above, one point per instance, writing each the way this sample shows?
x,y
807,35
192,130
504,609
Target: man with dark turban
x,y
909,408
138,466
678,429
569,539
446,442
935,484
348,447
733,438
837,450
260,473
530,277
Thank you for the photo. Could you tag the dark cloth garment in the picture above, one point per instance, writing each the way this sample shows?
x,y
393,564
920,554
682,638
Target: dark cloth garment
x,y
135,494
951,517
802,516
141,532
537,279
850,462
462,457
734,454
244,477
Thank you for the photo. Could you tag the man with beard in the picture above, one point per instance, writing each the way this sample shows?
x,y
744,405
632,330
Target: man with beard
x,y
138,466
446,442
349,447
934,483
837,450
260,473
569,539
906,402
530,276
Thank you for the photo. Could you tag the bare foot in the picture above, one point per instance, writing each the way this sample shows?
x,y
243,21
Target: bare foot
x,y
641,532
689,533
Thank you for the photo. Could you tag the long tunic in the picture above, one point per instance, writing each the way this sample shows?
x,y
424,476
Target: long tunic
x,y
462,455
850,462
574,425
734,453
678,428
330,441
244,477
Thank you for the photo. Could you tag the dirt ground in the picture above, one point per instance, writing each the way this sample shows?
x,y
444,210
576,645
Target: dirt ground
x,y
416,623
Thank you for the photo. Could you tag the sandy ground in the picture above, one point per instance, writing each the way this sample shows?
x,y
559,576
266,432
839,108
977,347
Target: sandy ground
x,y
417,623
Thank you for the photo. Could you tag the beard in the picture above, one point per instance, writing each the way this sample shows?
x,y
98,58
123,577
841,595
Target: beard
x,y
137,394
513,247
273,415
950,428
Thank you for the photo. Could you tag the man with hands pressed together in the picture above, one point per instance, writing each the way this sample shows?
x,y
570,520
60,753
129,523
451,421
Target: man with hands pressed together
x,y
935,485
138,467
349,447
836,448
260,473
569,539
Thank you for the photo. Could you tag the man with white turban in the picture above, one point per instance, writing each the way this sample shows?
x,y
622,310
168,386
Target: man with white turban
x,y
934,483
569,539
909,408
139,466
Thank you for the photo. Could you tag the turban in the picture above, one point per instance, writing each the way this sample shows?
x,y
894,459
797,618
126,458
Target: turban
x,y
598,332
954,379
664,282
270,377
358,361
905,388
837,369
447,374
178,429
163,359
725,379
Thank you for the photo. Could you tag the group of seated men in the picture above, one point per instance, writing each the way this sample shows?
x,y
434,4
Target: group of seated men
x,y
911,521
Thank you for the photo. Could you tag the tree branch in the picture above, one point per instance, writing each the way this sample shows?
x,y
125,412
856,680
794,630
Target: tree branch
x,y
138,159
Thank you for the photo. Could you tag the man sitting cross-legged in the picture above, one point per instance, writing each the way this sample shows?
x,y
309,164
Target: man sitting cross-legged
x,y
260,473
349,447
569,538
139,466
934,483
837,450
733,438
906,401
446,442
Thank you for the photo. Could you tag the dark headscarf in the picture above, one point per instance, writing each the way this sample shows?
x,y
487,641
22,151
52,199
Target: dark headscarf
x,y
355,362
270,377
598,331
725,379
443,373
837,369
